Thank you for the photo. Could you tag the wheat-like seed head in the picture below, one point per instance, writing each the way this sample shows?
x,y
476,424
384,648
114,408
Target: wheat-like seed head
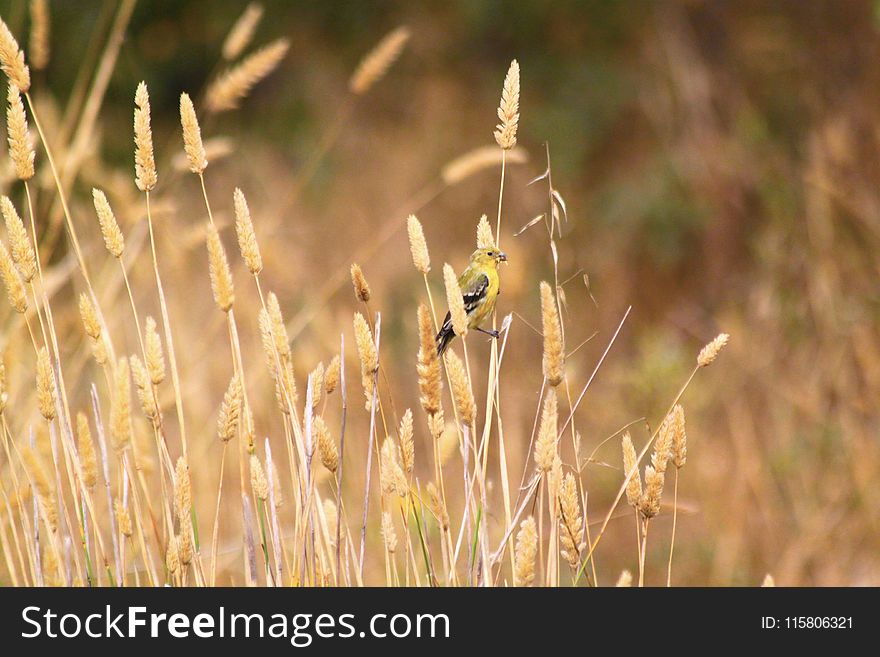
x,y
407,447
376,63
508,110
39,38
42,484
359,281
368,355
247,238
554,347
185,545
710,352
19,243
438,508
456,301
430,382
144,161
258,478
461,389
663,444
230,411
99,350
12,281
144,390
625,580
485,238
12,59
113,238
571,522
327,449
545,445
155,356
279,330
123,518
526,553
46,391
479,159
242,31
192,136
331,375
89,317
21,150
679,437
392,479
316,379
182,491
649,505
389,536
235,83
120,407
172,557
221,277
86,451
417,244
634,486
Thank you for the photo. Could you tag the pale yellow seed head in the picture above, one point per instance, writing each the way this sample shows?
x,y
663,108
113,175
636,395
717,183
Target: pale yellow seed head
x,y
634,486
428,367
368,355
545,445
221,277
227,91
230,411
554,348
113,238
279,330
144,161
12,59
120,407
391,475
508,110
376,63
89,317
485,238
19,243
153,348
86,451
679,437
359,281
258,478
571,521
663,444
389,536
192,136
418,246
625,580
123,518
316,379
438,508
407,447
461,389
477,160
21,149
331,375
710,352
15,290
182,491
144,390
649,505
327,448
242,31
526,553
172,556
768,581
244,230
185,545
455,300
46,391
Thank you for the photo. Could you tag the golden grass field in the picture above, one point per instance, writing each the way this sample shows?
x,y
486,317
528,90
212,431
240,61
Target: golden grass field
x,y
219,368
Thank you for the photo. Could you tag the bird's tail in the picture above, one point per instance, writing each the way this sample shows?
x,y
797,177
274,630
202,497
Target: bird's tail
x,y
444,337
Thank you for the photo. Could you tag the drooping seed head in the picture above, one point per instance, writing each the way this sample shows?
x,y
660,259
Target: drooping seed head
x,y
571,521
21,150
113,238
376,63
227,91
331,375
327,449
19,243
230,410
710,352
368,355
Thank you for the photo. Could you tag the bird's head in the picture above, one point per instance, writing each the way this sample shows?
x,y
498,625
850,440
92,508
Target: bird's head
x,y
489,257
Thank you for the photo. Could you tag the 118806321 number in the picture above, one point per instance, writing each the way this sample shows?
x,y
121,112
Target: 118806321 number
x,y
818,622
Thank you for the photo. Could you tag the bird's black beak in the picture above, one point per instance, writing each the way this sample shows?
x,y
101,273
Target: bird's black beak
x,y
502,257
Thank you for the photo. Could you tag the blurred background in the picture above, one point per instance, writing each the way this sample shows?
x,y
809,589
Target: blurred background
x,y
719,166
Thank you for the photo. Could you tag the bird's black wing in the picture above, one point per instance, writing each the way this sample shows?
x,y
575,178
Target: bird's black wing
x,y
475,295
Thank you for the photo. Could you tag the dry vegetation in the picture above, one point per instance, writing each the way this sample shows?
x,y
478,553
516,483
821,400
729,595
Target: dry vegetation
x,y
144,444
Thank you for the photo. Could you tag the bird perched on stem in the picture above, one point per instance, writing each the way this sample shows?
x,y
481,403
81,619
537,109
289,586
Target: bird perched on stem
x,y
480,286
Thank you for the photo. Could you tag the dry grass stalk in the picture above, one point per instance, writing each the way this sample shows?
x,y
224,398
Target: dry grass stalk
x,y
221,277
19,243
376,63
242,32
391,475
46,389
12,281
485,238
113,238
389,536
526,553
634,486
40,29
86,451
428,368
153,348
407,448
331,375
554,348
545,445
144,160
244,230
331,514
625,580
710,352
4,393
461,389
571,521
227,91
230,411
508,110
359,281
120,408
417,244
43,485
258,478
192,136
455,299
12,59
368,356
21,150
327,448
479,159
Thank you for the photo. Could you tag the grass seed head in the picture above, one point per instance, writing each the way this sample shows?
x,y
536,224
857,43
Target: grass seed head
x,y
710,352
221,277
113,239
526,553
244,230
86,451
12,59
545,446
376,63
192,136
418,246
508,110
554,349
144,160
227,91
634,486
20,247
21,150
359,281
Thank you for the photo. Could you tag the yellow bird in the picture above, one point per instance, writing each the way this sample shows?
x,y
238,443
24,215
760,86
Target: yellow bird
x,y
480,287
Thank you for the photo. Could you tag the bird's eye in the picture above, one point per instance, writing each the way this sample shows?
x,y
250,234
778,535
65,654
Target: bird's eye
x,y
491,254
